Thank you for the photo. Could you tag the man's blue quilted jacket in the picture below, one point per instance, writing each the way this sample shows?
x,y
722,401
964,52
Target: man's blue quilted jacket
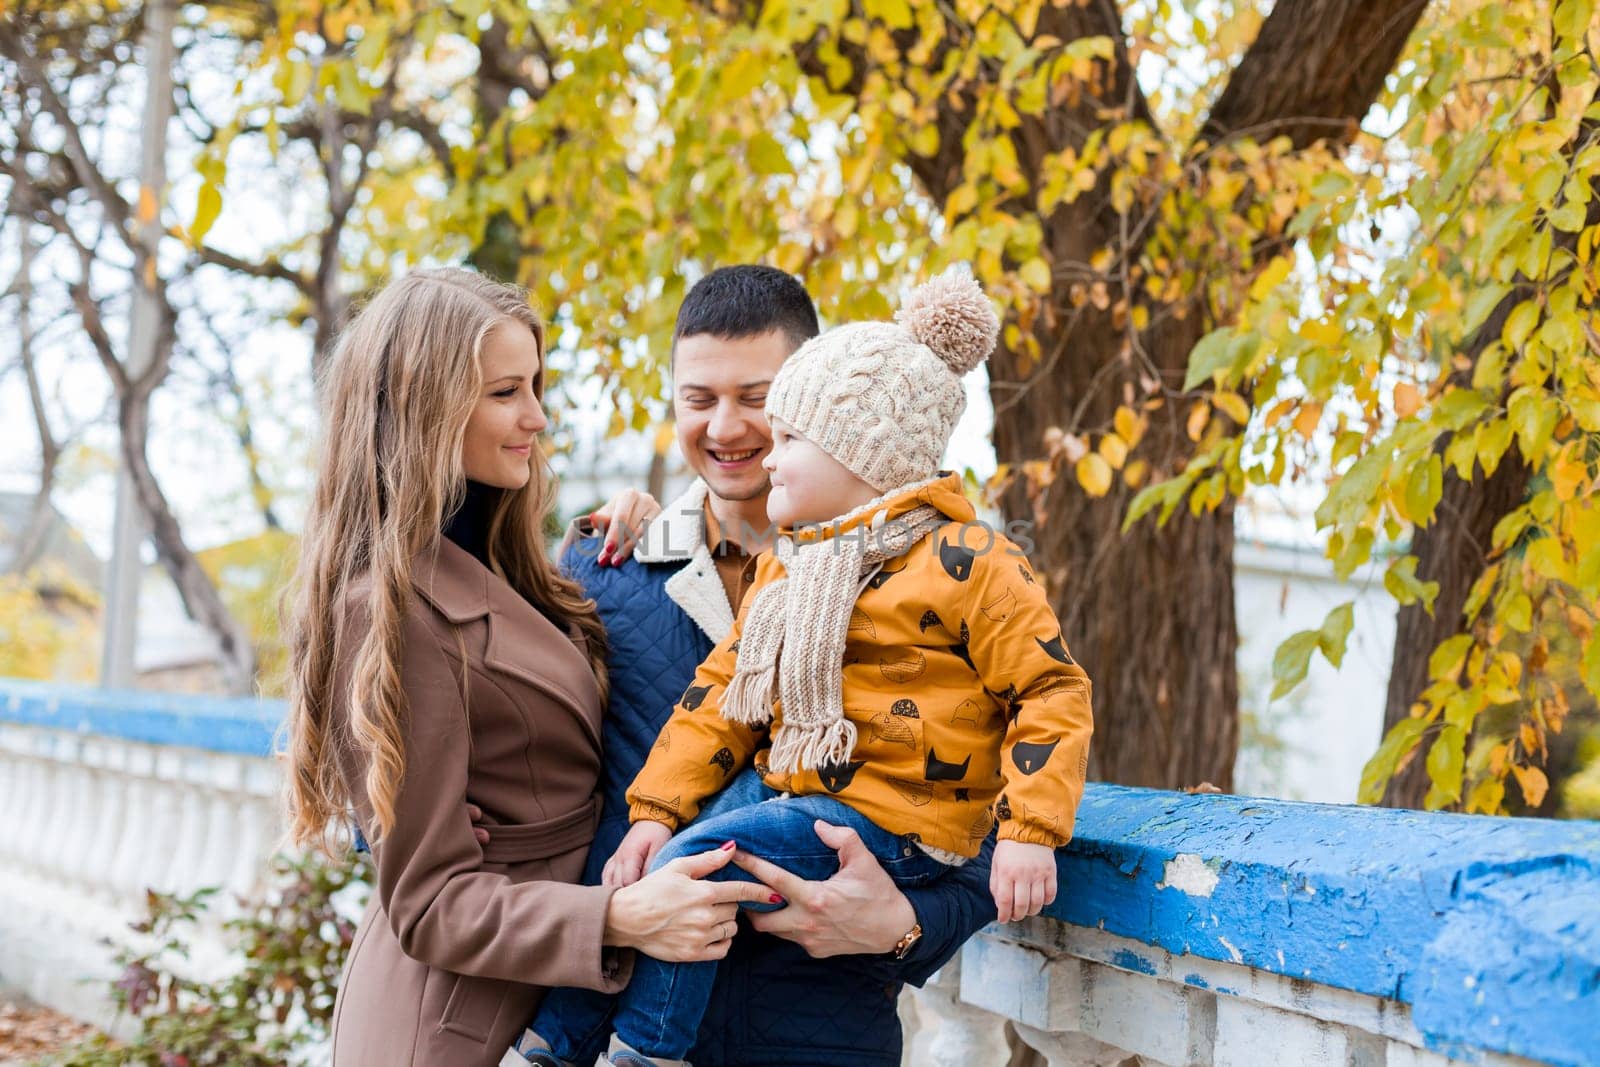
x,y
773,1006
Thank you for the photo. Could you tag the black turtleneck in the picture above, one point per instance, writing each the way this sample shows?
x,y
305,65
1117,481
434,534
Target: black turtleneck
x,y
469,529
469,526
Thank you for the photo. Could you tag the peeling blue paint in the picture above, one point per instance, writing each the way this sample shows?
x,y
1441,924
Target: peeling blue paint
x,y
1132,961
243,727
1196,981
1488,928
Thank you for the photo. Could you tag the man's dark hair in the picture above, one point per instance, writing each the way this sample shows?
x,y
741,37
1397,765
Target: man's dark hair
x,y
732,303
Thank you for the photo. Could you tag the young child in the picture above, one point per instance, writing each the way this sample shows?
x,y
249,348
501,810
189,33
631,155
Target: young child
x,y
895,669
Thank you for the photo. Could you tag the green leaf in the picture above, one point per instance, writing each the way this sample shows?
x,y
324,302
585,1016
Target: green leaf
x,y
1147,498
1291,661
1533,414
766,155
1335,632
1448,659
896,14
1481,304
1353,493
1493,438
1210,354
1446,759
1424,488
1458,407
1402,583
1591,664
1397,744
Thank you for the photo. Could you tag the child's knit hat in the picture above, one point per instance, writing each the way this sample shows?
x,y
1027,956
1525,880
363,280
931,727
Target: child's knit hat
x,y
883,398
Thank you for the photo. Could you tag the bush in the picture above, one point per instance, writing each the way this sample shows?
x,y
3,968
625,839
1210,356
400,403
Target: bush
x,y
274,1006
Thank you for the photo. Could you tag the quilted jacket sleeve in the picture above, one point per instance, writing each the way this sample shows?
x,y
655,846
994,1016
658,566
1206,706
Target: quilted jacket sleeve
x,y
1017,649
699,751
950,911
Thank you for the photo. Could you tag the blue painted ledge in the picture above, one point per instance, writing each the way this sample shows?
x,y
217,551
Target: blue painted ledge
x,y
1488,928
242,727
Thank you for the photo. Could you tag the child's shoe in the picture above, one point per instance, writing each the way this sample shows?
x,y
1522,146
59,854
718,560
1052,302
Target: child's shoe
x,y
621,1055
531,1049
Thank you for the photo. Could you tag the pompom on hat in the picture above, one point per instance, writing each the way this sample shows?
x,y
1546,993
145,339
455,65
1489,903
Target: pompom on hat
x,y
883,398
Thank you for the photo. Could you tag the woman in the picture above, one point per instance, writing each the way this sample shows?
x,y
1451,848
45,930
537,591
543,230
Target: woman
x,y
439,660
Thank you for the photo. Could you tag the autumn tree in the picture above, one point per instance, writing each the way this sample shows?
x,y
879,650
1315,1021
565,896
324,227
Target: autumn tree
x,y
1159,196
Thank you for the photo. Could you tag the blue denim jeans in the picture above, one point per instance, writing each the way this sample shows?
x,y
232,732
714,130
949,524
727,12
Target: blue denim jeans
x,y
659,1012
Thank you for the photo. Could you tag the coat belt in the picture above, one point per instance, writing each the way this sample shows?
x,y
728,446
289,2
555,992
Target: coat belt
x,y
520,842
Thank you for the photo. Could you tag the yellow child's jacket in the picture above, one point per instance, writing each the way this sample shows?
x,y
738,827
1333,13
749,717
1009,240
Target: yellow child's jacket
x,y
967,706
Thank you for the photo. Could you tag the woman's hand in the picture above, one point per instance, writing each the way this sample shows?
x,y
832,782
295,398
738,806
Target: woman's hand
x,y
673,916
623,518
857,911
632,858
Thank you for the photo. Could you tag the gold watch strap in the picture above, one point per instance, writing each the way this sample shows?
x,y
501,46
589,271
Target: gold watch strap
x,y
909,938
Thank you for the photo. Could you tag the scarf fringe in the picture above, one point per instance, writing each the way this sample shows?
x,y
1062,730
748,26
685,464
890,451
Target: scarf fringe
x,y
805,748
748,698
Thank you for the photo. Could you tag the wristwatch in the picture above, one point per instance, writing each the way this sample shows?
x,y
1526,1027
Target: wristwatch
x,y
909,938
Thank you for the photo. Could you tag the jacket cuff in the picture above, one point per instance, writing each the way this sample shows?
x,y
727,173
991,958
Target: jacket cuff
x,y
1030,835
645,811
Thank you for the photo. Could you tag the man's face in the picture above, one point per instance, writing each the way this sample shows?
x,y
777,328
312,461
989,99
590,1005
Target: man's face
x,y
719,399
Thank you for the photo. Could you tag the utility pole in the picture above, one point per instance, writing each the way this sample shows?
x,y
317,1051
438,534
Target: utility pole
x,y
130,525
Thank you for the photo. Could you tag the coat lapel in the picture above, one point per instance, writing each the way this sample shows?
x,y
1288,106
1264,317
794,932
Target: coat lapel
x,y
522,643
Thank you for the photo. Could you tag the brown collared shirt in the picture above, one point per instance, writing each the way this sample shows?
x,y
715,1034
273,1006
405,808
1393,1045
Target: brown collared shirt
x,y
735,566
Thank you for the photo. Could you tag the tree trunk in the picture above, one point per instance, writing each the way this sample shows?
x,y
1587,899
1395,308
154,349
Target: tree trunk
x,y
200,596
1150,613
30,542
1453,549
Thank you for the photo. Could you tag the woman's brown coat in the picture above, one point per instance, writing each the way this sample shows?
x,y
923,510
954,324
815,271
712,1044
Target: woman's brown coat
x,y
460,940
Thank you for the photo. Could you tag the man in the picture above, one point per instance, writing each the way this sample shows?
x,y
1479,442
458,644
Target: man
x,y
664,609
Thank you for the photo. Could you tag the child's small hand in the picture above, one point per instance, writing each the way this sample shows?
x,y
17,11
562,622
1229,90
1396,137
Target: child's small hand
x,y
1022,878
632,858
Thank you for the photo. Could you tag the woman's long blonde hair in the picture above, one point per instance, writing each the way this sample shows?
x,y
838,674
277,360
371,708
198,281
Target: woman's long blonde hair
x,y
395,401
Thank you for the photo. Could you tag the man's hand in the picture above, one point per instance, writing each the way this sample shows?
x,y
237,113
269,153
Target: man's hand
x,y
623,518
1022,879
857,911
632,858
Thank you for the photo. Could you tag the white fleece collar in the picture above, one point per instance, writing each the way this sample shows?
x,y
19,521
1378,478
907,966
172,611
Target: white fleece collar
x,y
673,535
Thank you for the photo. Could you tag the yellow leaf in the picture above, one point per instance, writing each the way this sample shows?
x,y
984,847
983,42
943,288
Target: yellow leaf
x,y
1199,415
1270,278
1407,400
206,211
1094,474
1232,405
1306,419
1134,473
1279,410
1533,782
1115,450
1130,425
1036,273
1567,473
961,201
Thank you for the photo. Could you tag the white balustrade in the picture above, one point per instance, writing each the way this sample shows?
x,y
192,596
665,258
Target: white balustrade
x,y
88,822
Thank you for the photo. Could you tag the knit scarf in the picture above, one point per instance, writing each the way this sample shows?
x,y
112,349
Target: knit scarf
x,y
806,617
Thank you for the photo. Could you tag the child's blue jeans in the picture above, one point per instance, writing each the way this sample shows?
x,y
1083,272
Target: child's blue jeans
x,y
659,1012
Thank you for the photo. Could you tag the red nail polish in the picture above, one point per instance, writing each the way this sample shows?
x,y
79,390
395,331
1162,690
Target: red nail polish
x,y
775,899
726,845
